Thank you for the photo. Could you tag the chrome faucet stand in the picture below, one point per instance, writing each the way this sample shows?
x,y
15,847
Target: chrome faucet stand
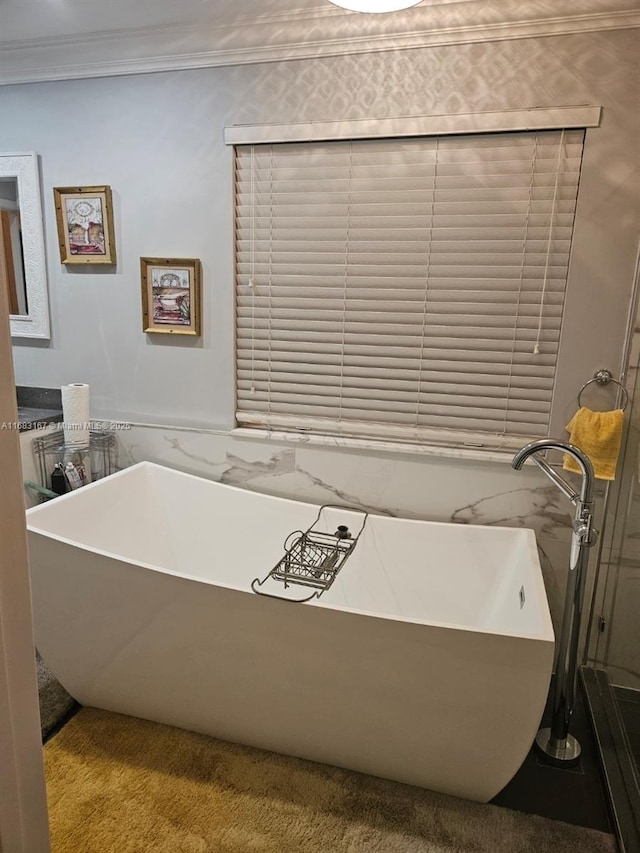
x,y
554,743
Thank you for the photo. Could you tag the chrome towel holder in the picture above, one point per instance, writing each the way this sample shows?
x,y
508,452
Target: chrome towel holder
x,y
604,377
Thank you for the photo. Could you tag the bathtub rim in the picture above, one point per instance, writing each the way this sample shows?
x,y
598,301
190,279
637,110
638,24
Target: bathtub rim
x,y
545,634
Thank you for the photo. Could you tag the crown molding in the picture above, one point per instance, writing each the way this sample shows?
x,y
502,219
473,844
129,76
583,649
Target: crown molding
x,y
293,35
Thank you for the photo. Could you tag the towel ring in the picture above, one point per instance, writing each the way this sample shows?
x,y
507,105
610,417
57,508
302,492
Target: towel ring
x,y
604,377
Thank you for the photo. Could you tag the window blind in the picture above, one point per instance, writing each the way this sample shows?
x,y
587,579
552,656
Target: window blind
x,y
411,289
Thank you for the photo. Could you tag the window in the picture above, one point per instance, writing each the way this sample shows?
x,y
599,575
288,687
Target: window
x,y
405,288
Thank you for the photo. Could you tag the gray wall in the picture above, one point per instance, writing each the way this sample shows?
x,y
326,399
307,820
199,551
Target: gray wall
x,y
157,140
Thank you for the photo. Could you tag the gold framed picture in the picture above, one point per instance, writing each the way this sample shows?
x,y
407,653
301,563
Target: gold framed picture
x,y
85,225
170,295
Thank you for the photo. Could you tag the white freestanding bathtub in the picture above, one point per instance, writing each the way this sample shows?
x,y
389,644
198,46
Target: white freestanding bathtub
x,y
427,661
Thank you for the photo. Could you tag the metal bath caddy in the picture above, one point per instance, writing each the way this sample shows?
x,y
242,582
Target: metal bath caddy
x,y
312,558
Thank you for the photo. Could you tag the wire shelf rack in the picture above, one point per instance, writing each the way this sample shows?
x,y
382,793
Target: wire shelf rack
x,y
92,463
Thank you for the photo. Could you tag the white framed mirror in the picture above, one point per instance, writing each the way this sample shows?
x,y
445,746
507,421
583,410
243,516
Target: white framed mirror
x,y
22,233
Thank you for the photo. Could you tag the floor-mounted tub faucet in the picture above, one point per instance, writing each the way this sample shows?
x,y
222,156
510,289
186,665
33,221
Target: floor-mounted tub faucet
x,y
554,743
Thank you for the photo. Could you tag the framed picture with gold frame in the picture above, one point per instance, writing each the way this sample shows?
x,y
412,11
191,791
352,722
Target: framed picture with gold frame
x,y
170,295
85,225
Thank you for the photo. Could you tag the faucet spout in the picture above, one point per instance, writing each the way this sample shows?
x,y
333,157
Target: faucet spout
x,y
554,444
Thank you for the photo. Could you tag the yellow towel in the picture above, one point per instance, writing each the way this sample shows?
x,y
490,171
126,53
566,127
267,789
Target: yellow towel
x,y
599,434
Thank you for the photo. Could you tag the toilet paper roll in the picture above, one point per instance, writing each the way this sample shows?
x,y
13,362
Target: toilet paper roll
x,y
75,414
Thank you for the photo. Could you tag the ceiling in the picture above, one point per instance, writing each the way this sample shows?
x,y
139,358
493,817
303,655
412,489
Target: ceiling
x,y
34,19
62,39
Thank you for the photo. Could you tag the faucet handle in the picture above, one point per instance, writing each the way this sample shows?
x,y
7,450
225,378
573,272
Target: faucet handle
x,y
583,529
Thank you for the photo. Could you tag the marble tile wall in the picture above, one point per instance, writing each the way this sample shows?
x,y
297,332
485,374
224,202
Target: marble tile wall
x,y
392,483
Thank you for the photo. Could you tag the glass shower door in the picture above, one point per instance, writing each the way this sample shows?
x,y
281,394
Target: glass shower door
x,y
618,636
612,674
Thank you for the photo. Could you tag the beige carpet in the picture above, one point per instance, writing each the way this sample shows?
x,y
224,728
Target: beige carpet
x,y
121,785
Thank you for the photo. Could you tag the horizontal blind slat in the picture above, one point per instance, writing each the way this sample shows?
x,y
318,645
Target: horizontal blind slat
x,y
438,370
318,344
356,387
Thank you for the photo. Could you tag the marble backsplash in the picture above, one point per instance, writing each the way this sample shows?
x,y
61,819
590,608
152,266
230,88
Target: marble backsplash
x,y
393,483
